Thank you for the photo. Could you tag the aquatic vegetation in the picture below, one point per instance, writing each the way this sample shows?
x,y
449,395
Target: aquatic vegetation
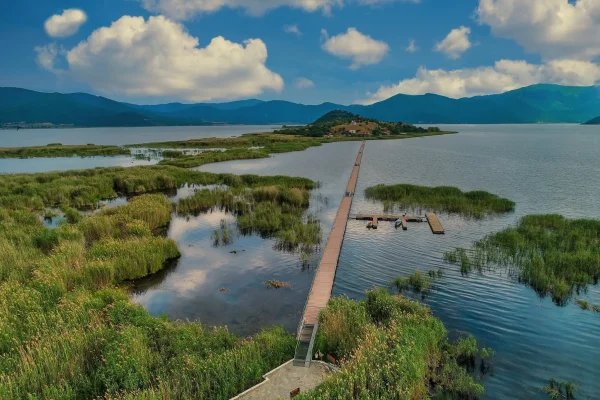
x,y
476,204
84,189
553,255
214,156
389,347
59,150
416,281
66,330
585,305
269,211
223,235
172,154
275,284
557,390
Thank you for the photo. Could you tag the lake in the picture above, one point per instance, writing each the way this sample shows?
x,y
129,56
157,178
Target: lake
x,y
123,136
543,168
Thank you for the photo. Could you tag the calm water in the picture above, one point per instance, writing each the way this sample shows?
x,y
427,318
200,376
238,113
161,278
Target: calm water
x,y
544,168
105,136
122,136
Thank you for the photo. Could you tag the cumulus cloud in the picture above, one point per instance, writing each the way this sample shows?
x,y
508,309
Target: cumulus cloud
x,y
552,28
304,83
65,24
184,9
503,76
157,57
356,46
412,46
456,43
292,29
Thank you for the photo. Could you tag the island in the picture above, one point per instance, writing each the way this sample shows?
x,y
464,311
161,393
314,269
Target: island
x,y
339,123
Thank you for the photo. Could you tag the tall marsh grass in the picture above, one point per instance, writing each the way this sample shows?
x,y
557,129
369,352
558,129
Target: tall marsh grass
x,y
475,204
552,254
67,332
389,347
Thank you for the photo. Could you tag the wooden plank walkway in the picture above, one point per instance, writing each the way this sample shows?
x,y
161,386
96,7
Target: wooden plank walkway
x,y
387,217
434,223
323,282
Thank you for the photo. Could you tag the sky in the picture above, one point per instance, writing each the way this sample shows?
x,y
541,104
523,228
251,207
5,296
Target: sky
x,y
306,51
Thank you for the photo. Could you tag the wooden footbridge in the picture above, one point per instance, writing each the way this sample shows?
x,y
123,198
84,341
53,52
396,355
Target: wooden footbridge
x,y
320,291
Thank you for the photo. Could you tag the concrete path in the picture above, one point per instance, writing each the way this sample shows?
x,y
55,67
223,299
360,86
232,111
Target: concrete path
x,y
281,381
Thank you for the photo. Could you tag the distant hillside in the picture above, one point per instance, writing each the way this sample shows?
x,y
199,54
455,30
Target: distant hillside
x,y
595,121
533,104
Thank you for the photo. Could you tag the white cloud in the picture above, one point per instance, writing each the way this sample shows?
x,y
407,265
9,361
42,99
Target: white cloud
x,y
552,28
46,56
157,57
185,9
361,49
503,76
412,46
456,43
292,29
304,83
65,24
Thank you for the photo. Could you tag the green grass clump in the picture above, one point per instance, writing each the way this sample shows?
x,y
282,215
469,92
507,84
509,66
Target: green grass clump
x,y
59,150
476,204
214,156
416,281
67,332
552,254
172,154
389,347
557,390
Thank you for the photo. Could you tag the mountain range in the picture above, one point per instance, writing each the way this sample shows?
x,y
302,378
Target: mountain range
x,y
541,103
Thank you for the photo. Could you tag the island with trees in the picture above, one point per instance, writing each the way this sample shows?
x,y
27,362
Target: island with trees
x,y
339,123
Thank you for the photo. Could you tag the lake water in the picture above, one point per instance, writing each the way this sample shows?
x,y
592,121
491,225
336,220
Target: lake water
x,y
122,136
543,168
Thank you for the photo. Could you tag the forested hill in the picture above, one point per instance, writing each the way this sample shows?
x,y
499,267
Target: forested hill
x,y
533,104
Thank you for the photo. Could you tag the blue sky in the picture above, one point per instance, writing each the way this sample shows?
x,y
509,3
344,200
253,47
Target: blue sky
x,y
342,51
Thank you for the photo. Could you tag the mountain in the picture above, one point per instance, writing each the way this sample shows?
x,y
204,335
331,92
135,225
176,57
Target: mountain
x,y
79,109
533,104
595,121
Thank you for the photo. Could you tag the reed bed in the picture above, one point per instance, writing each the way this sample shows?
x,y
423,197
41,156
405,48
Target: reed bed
x,y
553,255
59,150
66,330
390,347
270,211
449,199
84,189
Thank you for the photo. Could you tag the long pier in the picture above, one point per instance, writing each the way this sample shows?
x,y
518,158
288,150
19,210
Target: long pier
x,y
320,292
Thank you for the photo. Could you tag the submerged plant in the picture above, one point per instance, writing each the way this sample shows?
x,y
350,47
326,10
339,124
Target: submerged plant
x,y
275,284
